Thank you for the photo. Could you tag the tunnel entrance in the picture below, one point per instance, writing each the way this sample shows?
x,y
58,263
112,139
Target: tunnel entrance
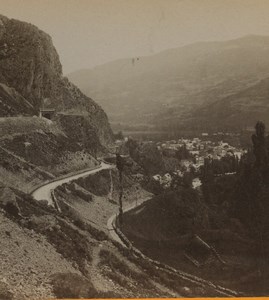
x,y
47,113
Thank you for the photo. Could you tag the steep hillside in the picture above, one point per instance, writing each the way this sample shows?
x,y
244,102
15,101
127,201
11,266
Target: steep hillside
x,y
34,150
234,112
134,91
31,77
12,103
47,254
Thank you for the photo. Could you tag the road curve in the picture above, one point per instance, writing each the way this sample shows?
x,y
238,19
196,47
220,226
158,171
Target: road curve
x,y
44,192
112,219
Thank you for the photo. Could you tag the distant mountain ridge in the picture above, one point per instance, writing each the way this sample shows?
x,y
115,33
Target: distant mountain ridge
x,y
235,112
171,84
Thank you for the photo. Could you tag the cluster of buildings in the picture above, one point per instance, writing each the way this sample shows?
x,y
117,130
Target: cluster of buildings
x,y
198,150
166,180
192,154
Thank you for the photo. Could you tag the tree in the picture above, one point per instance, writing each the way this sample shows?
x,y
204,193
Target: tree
x,y
183,153
207,179
187,179
132,146
119,136
119,163
259,145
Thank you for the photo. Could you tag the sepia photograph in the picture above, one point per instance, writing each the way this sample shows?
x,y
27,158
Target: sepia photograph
x,y
134,149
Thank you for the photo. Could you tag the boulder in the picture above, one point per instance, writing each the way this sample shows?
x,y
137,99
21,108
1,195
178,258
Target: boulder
x,y
8,202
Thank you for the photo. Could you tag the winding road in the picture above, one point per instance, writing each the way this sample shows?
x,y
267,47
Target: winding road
x,y
44,191
112,219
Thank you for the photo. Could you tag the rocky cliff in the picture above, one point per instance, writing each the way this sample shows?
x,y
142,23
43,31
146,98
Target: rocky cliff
x,y
31,77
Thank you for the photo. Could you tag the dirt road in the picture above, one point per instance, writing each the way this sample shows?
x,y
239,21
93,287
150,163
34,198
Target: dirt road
x,y
44,192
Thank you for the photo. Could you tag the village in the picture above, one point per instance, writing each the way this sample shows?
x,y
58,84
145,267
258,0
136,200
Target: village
x,y
192,154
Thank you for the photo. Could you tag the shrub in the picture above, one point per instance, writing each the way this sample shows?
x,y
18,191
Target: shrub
x,y
71,285
116,264
99,235
71,244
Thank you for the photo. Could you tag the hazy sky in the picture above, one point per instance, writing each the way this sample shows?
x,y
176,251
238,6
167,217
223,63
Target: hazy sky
x,y
91,32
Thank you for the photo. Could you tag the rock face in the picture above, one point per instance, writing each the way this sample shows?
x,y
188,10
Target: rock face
x,y
31,77
12,103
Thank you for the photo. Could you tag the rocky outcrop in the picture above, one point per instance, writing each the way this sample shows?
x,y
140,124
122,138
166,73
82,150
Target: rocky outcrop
x,y
29,61
31,77
8,201
12,103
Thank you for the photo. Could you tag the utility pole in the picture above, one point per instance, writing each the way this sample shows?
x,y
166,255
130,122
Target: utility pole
x,y
26,147
136,196
120,164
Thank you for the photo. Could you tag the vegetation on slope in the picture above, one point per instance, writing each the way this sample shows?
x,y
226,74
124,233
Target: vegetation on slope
x,y
230,213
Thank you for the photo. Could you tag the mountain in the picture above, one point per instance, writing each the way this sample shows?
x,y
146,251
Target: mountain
x,y
238,111
12,103
139,91
31,77
35,149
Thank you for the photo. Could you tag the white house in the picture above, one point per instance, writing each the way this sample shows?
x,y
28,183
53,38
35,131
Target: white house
x,y
157,177
196,183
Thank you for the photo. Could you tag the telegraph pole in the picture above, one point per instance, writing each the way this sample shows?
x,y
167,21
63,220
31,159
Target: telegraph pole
x,y
136,196
120,164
